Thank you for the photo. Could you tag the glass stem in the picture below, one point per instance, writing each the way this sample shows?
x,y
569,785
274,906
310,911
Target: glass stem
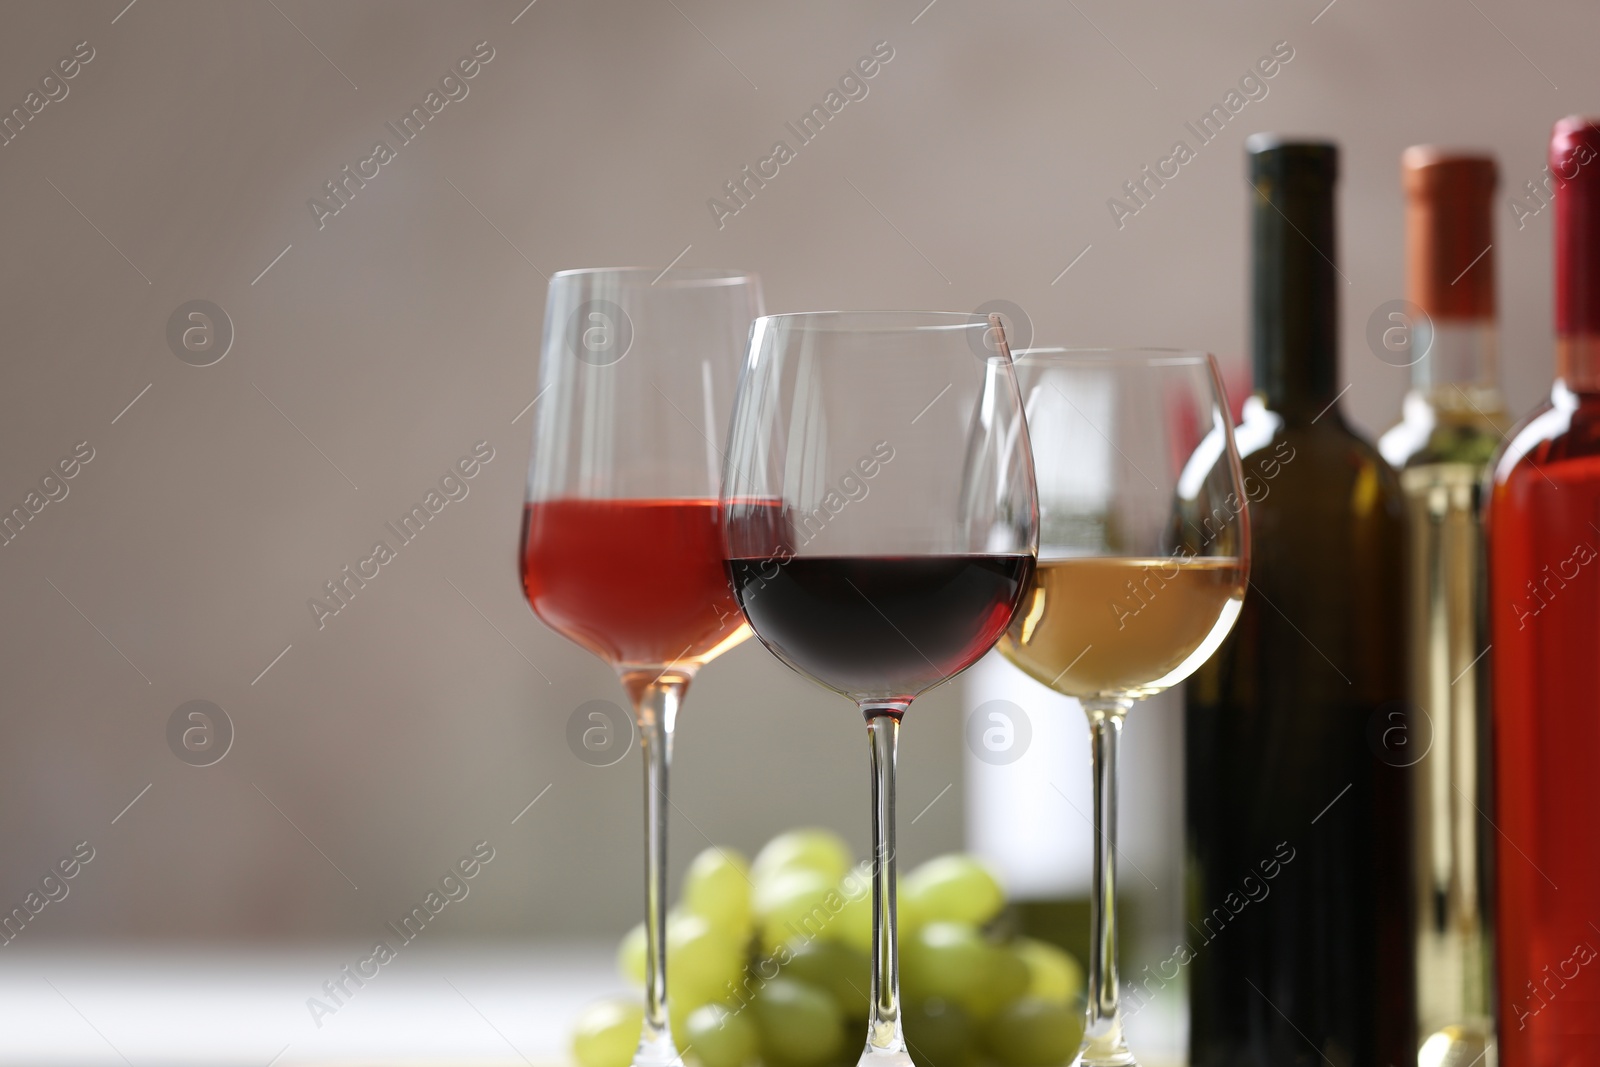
x,y
1104,1043
885,1040
655,707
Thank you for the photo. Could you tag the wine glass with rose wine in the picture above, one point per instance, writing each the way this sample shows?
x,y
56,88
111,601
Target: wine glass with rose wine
x,y
1144,554
622,535
879,506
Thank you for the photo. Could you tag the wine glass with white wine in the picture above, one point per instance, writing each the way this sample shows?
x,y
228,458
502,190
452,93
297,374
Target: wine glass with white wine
x,y
1144,555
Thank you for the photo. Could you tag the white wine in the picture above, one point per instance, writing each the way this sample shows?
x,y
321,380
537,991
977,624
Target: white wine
x,y
1123,627
1452,421
1448,851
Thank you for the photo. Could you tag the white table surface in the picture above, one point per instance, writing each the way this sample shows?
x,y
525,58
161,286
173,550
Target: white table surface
x,y
247,1007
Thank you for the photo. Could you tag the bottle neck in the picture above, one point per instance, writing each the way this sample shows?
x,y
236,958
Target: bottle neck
x,y
1458,357
1295,307
1574,148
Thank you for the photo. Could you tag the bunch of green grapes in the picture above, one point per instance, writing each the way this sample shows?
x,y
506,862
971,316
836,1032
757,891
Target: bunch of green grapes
x,y
767,964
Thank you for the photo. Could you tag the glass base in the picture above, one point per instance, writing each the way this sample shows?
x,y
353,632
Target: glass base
x,y
1469,1044
1106,1048
657,1051
873,1056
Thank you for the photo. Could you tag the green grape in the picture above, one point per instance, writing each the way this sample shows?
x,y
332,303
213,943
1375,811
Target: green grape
x,y
822,851
945,961
939,1034
701,961
719,1037
1053,974
910,915
800,1026
837,969
1006,981
853,924
717,888
630,955
794,903
1034,1033
701,958
954,888
678,1022
607,1033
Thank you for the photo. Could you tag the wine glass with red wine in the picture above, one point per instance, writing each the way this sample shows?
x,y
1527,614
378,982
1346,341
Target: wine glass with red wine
x,y
622,536
881,524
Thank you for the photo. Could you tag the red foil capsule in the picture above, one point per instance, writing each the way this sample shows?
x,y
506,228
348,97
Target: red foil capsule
x,y
1575,168
1449,232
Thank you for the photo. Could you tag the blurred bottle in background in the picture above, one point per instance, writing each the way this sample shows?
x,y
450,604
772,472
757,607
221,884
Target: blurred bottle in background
x,y
1543,531
1298,893
1453,419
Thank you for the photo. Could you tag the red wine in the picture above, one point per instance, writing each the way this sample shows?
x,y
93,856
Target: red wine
x,y
1544,602
880,628
639,583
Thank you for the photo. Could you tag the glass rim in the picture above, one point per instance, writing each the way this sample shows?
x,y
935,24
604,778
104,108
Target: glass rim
x,y
876,321
683,277
1149,357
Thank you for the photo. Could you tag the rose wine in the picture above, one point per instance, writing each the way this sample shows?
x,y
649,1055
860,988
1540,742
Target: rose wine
x,y
1277,723
1122,627
1453,419
880,628
640,583
1544,603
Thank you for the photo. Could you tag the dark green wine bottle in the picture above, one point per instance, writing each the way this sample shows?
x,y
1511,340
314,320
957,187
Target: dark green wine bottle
x,y
1296,732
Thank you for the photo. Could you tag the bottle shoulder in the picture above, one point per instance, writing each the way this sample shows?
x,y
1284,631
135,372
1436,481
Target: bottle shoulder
x,y
1408,437
1462,431
1562,432
1325,467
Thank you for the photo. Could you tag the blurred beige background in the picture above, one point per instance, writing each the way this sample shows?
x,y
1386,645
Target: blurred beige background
x,y
371,352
